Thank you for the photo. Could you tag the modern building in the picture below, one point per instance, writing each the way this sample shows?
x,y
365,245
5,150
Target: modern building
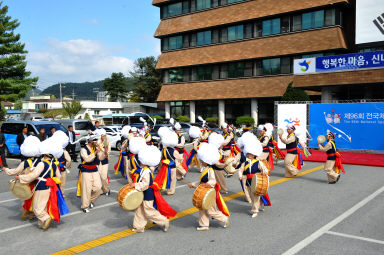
x,y
228,58
93,108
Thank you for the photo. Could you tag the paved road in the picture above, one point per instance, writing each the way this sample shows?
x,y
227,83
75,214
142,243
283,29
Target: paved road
x,y
308,216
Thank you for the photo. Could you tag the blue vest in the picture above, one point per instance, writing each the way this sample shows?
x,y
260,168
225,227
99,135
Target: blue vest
x,y
249,171
95,162
270,144
26,164
242,160
261,139
230,144
46,174
181,151
332,151
205,178
168,153
148,193
292,145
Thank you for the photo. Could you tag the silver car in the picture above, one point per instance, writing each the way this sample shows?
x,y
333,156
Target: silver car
x,y
81,128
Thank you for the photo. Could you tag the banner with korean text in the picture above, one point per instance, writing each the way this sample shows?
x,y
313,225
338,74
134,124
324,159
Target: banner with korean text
x,y
354,61
357,126
295,114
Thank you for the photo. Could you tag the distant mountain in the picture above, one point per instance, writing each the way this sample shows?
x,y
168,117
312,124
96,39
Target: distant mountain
x,y
82,91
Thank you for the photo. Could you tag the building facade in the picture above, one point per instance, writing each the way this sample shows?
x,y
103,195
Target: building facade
x,y
228,58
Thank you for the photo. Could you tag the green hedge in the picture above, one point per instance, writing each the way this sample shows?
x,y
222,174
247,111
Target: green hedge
x,y
183,118
157,117
213,120
245,120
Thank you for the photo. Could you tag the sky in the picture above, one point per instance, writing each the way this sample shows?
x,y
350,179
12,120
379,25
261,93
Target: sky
x,y
84,40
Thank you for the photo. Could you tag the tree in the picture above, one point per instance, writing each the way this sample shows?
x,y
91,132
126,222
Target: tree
x,y
55,114
294,94
14,79
72,108
212,120
18,105
3,112
86,116
147,80
117,87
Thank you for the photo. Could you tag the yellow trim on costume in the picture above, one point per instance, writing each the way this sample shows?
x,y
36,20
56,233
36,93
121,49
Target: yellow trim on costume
x,y
204,172
250,163
78,192
29,161
261,137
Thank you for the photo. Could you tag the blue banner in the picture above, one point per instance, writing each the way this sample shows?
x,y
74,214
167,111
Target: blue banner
x,y
350,61
356,125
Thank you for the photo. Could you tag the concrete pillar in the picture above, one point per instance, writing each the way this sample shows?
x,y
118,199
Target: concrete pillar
x,y
192,111
254,110
221,111
326,94
167,110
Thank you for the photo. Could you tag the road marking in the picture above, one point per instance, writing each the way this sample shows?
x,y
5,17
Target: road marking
x,y
67,215
127,232
355,237
299,246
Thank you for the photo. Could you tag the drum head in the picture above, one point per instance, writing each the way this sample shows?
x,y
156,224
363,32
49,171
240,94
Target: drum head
x,y
21,191
280,131
209,199
321,139
132,200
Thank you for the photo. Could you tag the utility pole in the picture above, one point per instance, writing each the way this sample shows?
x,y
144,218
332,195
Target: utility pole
x,y
73,93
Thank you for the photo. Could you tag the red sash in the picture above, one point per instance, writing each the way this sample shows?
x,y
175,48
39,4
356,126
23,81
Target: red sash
x,y
338,163
89,166
162,206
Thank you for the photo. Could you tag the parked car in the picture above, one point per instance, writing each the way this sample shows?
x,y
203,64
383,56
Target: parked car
x,y
184,132
81,128
114,137
14,127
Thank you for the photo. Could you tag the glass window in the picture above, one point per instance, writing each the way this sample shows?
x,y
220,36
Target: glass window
x,y
164,12
215,36
204,38
193,40
330,17
186,74
203,4
258,29
204,73
271,66
296,23
318,19
313,19
185,41
207,108
235,32
216,72
186,7
271,27
275,66
248,30
175,9
179,108
286,65
175,75
194,74
258,68
236,70
175,42
215,3
165,77
223,71
285,24
248,69
224,35
164,44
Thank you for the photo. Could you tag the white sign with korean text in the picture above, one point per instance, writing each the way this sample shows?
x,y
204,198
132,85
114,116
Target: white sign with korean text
x,y
295,114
